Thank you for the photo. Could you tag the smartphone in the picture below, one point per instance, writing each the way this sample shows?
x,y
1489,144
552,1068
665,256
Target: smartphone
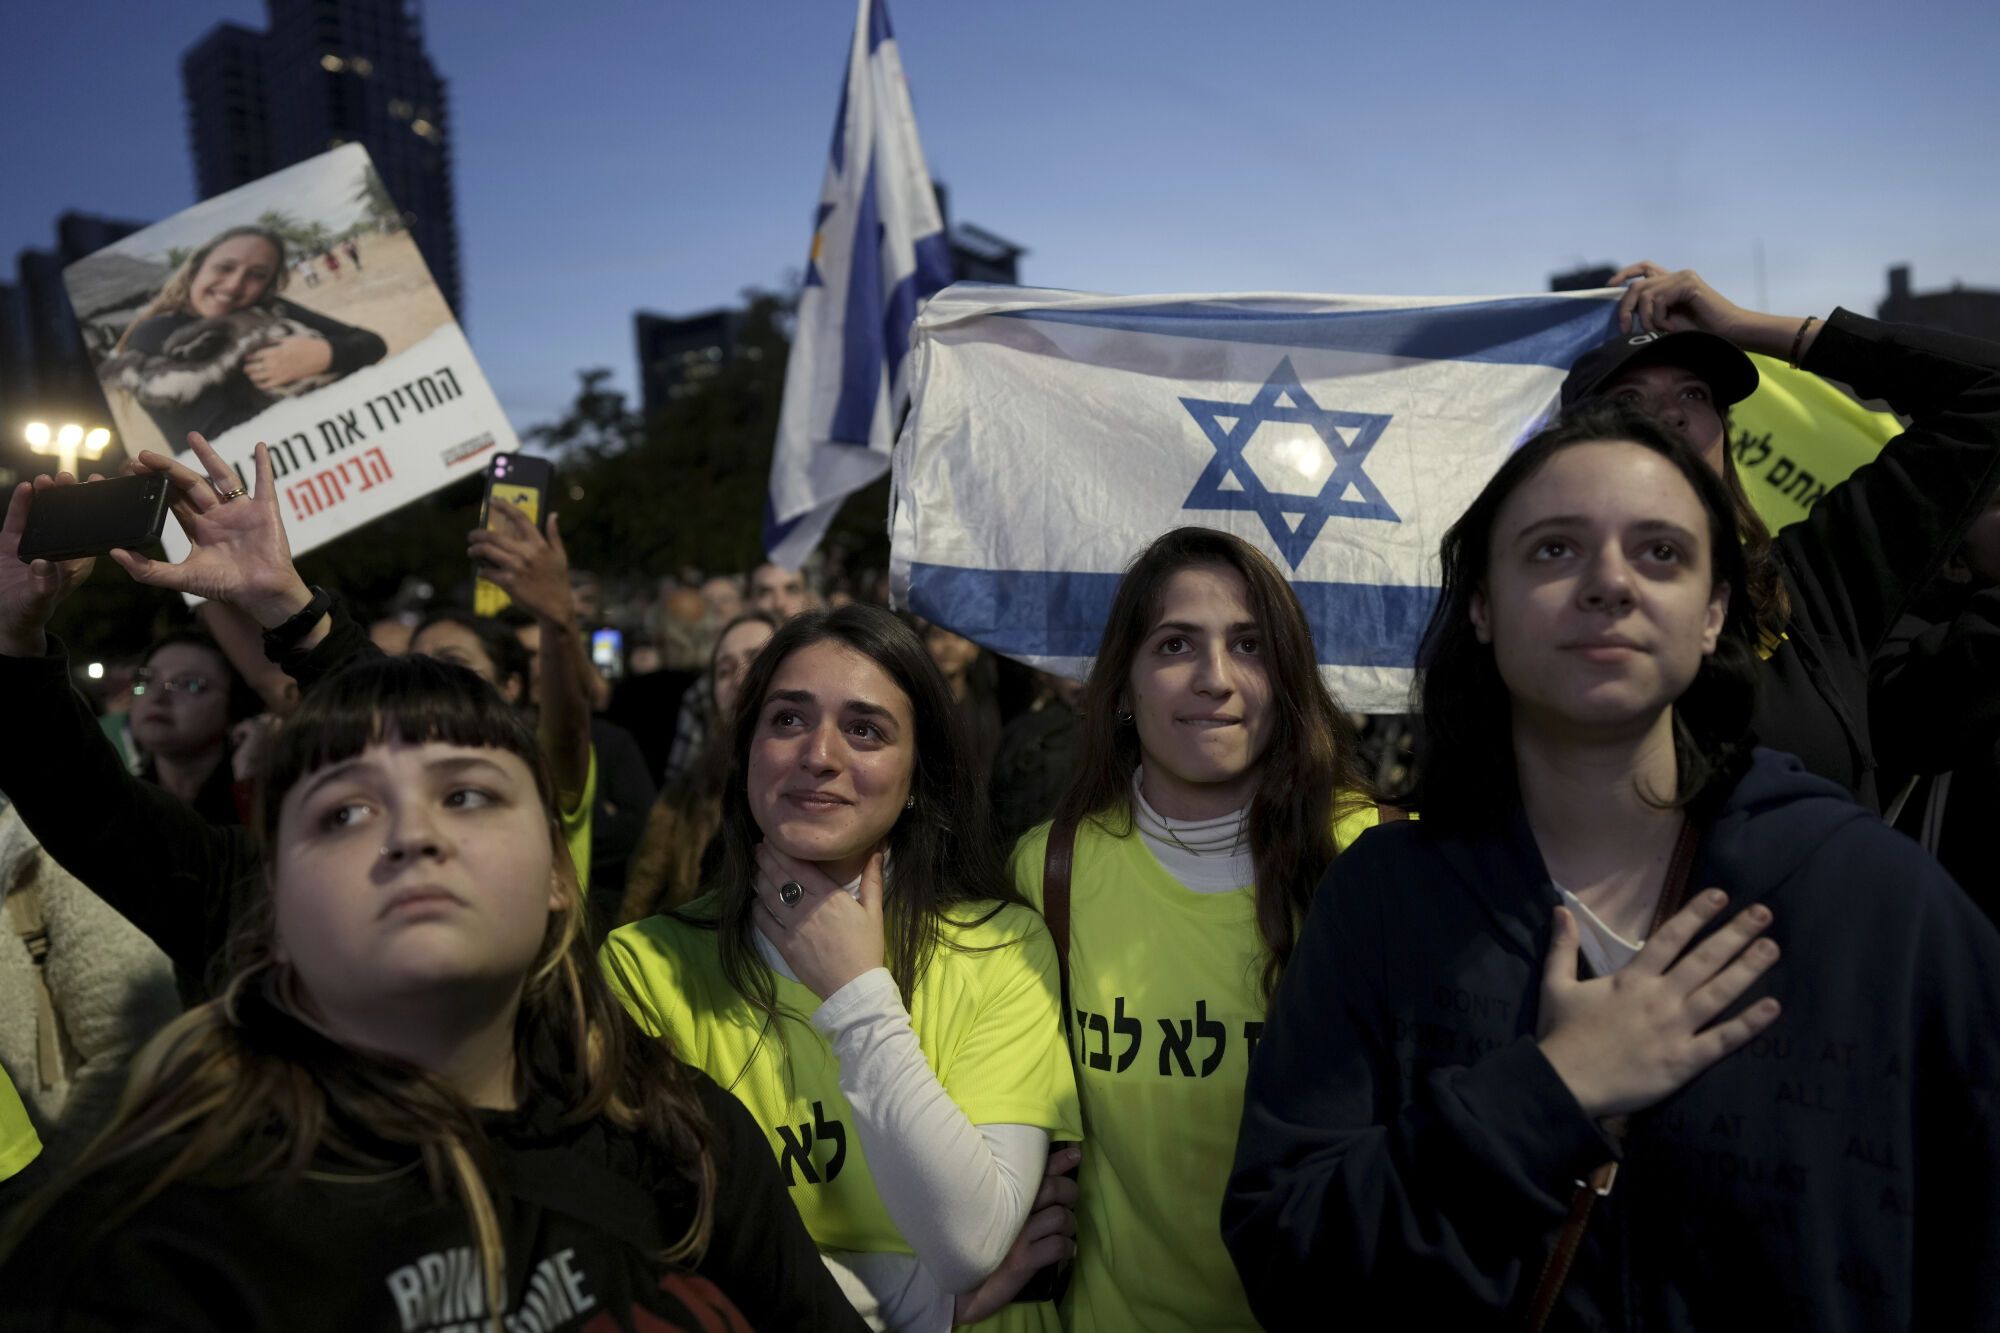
x,y
68,522
523,482
607,652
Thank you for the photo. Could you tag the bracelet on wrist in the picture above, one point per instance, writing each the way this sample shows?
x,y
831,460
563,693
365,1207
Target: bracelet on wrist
x,y
1799,339
280,640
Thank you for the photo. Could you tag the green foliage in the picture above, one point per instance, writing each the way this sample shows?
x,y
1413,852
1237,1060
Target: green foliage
x,y
685,488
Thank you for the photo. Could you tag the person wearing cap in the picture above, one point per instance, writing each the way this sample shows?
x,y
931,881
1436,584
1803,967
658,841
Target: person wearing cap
x,y
1829,588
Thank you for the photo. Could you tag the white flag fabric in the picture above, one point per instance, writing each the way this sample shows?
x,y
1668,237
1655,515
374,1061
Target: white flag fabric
x,y
879,249
1052,435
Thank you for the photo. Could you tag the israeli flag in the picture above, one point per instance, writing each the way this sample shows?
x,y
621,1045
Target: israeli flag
x,y
878,251
1052,435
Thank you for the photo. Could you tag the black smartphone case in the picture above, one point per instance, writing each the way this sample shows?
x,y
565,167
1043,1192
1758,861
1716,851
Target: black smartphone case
x,y
68,522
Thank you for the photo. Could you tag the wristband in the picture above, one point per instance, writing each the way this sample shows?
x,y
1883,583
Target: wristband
x,y
1798,339
280,641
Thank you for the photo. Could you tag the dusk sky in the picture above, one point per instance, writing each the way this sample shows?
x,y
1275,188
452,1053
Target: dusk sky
x,y
613,155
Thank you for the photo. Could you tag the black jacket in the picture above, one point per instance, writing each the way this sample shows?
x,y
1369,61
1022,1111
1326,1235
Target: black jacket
x,y
1407,1154
1935,710
236,400
1853,564
585,1210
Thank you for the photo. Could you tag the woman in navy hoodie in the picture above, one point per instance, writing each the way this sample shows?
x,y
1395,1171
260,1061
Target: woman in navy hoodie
x,y
1528,1068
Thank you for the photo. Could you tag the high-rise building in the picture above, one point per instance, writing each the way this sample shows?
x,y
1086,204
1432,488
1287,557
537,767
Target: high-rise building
x,y
1956,309
325,73
1586,279
45,373
677,355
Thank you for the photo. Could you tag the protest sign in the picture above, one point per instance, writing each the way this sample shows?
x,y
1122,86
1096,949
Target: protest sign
x,y
296,311
1052,435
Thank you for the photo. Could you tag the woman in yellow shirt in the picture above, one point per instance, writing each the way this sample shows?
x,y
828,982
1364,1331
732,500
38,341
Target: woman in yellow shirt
x,y
1217,782
863,977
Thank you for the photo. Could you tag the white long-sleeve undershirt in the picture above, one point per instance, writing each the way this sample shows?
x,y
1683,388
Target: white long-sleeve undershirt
x,y
957,1192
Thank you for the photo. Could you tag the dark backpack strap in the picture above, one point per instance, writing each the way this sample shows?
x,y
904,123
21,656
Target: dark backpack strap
x,y
1055,901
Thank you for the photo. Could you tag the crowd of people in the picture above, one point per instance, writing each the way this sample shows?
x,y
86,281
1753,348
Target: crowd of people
x,y
826,971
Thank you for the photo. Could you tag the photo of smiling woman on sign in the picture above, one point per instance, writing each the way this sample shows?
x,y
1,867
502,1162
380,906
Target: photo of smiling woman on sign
x,y
217,345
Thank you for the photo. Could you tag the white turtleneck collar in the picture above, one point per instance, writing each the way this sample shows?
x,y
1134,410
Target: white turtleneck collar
x,y
1205,855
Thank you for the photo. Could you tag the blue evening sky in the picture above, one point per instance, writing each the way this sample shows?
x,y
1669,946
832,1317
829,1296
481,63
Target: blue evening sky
x,y
619,154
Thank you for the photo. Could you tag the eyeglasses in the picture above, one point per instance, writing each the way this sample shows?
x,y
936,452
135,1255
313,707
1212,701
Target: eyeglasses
x,y
143,679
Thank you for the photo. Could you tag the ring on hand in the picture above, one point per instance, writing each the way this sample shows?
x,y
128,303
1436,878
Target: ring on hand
x,y
236,494
790,892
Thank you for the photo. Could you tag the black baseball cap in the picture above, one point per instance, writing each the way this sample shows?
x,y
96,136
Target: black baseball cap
x,y
1730,375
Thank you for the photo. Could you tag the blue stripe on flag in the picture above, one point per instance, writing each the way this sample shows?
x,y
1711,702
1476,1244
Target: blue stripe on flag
x,y
1354,624
878,26
861,324
1523,331
932,273
838,153
774,531
869,325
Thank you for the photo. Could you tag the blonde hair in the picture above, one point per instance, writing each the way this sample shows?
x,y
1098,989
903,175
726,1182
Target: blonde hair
x,y
175,297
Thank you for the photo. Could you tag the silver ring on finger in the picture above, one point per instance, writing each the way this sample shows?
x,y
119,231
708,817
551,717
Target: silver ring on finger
x,y
790,892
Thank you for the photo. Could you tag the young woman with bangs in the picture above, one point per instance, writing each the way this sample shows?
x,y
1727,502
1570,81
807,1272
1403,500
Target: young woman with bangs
x,y
1217,781
416,1104
865,979
1638,1025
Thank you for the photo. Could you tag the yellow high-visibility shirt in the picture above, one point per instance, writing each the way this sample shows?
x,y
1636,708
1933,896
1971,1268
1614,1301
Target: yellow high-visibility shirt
x,y
19,1144
1166,993
987,1015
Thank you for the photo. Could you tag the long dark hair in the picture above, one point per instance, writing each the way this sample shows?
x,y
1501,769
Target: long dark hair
x,y
1763,564
942,850
665,870
249,1090
1465,754
1309,772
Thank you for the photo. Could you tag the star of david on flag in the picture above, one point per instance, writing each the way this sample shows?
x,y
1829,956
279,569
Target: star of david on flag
x,y
1053,435
1232,482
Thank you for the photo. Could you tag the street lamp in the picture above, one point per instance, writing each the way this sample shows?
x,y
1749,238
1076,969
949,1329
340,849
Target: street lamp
x,y
67,443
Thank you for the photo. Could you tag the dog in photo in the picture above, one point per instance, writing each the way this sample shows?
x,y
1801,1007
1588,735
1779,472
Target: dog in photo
x,y
202,355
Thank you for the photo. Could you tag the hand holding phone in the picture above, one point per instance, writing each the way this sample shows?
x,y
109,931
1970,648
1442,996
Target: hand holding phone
x,y
30,591
239,553
523,482
73,522
529,568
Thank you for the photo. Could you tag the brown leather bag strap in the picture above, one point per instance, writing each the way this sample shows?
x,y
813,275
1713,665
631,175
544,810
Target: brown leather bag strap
x,y
1055,901
1570,1239
1680,870
1673,897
